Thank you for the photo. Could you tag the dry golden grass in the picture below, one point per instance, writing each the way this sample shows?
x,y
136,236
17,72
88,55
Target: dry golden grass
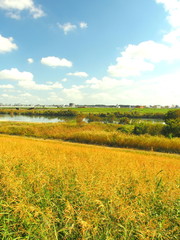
x,y
56,190
94,133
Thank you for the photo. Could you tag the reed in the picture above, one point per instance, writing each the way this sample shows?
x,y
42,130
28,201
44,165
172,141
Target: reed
x,y
94,133
56,190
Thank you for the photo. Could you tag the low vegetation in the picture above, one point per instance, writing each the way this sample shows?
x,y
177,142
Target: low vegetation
x,y
102,113
94,133
53,190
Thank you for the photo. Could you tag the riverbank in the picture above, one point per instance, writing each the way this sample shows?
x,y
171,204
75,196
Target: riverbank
x,y
92,133
98,112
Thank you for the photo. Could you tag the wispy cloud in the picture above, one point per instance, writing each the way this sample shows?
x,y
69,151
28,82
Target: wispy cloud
x,y
30,60
69,27
78,74
83,25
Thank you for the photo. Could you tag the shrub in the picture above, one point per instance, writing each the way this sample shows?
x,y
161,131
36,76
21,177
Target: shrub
x,y
172,114
124,120
172,128
172,119
148,128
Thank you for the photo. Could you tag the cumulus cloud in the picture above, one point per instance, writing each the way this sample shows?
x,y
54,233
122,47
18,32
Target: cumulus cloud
x,y
25,80
129,67
15,7
56,62
172,37
173,9
30,60
83,25
78,74
7,44
143,57
15,74
67,27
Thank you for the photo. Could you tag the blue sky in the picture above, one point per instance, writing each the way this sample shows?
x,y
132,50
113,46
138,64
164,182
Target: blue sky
x,y
90,52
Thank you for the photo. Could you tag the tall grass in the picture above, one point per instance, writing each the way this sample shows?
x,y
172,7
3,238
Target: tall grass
x,y
100,134
53,190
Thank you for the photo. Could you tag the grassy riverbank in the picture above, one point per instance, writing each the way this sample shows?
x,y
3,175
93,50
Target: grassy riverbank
x,y
116,112
93,133
57,190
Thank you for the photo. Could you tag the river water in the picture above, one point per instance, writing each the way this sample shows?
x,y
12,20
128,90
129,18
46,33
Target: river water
x,y
33,119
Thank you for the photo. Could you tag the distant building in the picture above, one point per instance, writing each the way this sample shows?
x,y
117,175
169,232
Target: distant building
x,y
71,105
139,106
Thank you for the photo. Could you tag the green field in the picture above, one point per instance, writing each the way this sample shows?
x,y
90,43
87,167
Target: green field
x,y
123,110
100,110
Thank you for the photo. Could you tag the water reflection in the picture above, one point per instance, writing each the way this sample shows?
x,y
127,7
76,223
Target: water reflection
x,y
35,119
49,119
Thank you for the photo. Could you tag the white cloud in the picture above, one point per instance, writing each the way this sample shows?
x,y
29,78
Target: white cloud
x,y
34,86
73,94
30,60
5,95
129,67
15,74
64,80
54,98
56,62
172,37
103,98
25,95
14,7
67,27
107,83
148,50
78,74
173,9
13,15
83,25
143,57
7,44
25,80
6,86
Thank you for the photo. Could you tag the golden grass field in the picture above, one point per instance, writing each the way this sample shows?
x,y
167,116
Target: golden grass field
x,y
55,190
91,133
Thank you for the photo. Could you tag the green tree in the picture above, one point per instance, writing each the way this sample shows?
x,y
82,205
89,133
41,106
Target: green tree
x,y
172,120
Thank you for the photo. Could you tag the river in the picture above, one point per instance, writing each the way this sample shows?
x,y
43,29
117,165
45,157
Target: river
x,y
45,119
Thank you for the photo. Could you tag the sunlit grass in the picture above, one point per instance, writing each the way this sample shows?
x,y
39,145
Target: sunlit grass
x,y
94,133
56,190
